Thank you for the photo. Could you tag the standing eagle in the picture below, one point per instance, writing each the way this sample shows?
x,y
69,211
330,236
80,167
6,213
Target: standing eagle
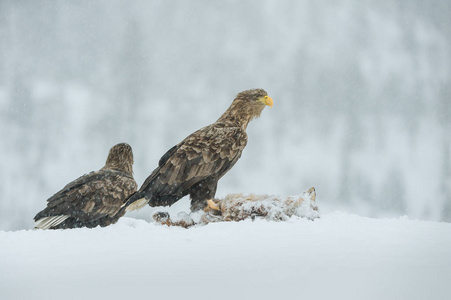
x,y
97,198
195,165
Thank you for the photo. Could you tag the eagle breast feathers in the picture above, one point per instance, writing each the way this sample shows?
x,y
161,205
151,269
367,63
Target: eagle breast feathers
x,y
207,151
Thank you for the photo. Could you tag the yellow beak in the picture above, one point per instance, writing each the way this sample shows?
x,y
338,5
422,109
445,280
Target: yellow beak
x,y
266,100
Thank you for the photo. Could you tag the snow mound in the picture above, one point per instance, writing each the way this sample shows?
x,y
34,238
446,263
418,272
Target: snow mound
x,y
337,256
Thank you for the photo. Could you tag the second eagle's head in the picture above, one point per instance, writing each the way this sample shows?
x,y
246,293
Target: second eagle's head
x,y
120,158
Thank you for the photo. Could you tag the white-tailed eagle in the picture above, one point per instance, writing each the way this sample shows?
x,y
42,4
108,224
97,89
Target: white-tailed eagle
x,y
95,199
195,165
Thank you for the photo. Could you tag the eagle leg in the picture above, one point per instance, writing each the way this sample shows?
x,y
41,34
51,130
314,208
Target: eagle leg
x,y
202,192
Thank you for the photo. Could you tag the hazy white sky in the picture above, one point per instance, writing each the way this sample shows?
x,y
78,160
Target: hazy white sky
x,y
361,96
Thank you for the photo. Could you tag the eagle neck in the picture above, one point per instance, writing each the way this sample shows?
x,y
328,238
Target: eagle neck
x,y
240,113
124,167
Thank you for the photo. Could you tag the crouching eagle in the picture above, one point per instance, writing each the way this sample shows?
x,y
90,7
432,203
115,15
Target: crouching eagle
x,y
195,165
97,198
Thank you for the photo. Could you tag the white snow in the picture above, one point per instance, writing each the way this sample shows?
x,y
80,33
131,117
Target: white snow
x,y
339,256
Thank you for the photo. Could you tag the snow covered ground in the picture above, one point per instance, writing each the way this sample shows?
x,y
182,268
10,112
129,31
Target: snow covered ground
x,y
339,256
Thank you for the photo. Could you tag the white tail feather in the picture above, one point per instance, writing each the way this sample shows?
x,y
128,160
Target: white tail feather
x,y
49,222
138,204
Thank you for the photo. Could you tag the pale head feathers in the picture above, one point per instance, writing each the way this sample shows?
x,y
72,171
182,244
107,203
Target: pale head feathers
x,y
245,107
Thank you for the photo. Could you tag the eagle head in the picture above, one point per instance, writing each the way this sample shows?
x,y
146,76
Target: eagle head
x,y
120,158
247,105
256,96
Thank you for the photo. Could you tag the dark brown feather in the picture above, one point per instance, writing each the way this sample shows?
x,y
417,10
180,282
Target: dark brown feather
x,y
96,198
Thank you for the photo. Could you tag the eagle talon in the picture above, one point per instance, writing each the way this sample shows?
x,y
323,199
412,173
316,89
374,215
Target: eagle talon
x,y
211,205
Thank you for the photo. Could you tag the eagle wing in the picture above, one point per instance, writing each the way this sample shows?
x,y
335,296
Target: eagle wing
x,y
210,151
91,197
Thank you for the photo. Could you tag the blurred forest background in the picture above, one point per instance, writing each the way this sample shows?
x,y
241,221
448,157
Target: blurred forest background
x,y
361,89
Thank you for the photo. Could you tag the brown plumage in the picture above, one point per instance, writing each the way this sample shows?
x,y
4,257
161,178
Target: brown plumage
x,y
97,198
195,165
